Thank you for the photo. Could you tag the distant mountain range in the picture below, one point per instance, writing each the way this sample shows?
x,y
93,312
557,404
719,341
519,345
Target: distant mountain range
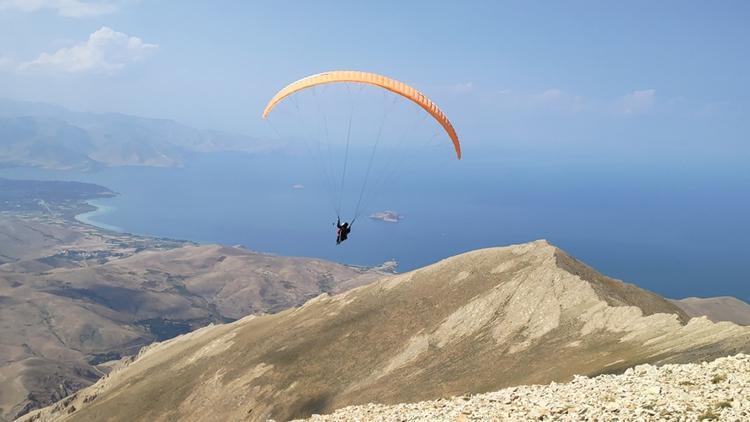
x,y
52,137
473,323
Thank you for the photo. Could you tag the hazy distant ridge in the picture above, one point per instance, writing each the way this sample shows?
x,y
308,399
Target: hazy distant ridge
x,y
723,308
46,136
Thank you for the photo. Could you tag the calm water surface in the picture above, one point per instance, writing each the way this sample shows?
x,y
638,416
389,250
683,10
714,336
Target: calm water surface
x,y
676,234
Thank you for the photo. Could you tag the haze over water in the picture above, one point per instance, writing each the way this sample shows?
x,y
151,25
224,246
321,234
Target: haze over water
x,y
678,234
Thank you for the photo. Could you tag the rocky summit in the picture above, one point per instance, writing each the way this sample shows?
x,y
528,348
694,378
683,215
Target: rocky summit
x,y
719,390
474,323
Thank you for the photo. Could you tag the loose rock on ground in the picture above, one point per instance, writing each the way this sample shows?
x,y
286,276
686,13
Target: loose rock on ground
x,y
718,390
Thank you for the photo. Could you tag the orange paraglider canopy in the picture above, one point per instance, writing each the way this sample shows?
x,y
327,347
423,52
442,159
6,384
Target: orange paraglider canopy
x,y
353,76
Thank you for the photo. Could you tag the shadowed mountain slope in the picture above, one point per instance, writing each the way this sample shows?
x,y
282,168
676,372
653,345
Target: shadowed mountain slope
x,y
476,322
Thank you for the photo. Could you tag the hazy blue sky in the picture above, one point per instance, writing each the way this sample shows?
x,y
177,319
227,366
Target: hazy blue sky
x,y
516,71
656,86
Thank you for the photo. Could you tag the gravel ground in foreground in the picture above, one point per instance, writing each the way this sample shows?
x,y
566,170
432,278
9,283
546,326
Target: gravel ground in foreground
x,y
718,390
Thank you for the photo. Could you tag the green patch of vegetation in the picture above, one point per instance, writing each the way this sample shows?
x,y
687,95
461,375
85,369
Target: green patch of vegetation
x,y
103,357
718,378
44,196
164,329
181,289
686,382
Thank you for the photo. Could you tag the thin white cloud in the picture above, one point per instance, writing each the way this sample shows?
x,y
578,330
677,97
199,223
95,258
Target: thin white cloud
x,y
637,102
553,99
550,95
556,100
106,51
462,88
457,88
69,8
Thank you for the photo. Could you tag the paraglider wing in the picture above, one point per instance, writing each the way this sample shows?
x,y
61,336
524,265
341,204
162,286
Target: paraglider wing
x,y
400,88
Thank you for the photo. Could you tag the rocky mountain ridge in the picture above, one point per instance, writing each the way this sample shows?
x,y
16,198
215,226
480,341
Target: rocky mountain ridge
x,y
473,323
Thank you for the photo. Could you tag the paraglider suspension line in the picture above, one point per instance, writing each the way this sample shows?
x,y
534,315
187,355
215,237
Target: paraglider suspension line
x,y
346,156
357,210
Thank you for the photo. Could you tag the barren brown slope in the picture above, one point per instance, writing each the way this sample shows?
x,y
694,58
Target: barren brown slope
x,y
472,323
722,308
73,297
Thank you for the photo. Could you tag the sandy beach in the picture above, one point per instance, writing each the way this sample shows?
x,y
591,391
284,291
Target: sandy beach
x,y
90,216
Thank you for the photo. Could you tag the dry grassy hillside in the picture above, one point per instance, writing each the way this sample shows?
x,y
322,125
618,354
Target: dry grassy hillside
x,y
724,308
473,323
73,297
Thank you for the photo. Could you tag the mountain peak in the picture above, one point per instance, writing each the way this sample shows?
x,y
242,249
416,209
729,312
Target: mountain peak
x,y
476,322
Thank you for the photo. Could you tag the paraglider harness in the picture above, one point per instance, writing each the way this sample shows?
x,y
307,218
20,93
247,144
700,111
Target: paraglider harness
x,y
343,230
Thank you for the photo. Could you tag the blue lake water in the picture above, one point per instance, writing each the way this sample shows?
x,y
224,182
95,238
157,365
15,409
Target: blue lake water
x,y
676,233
